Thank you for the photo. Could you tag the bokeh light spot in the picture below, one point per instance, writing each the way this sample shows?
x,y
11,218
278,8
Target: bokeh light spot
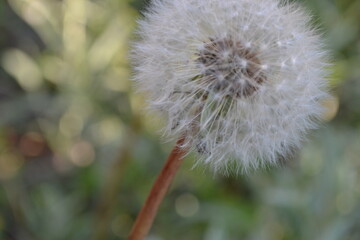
x,y
107,130
331,108
32,144
187,205
82,154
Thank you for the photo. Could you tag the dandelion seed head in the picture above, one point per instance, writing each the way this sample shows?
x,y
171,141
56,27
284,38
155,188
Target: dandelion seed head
x,y
242,79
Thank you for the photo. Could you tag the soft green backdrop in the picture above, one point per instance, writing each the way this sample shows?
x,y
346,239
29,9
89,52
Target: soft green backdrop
x,y
78,153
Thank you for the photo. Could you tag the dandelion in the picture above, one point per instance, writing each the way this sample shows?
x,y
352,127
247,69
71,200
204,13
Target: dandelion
x,y
241,81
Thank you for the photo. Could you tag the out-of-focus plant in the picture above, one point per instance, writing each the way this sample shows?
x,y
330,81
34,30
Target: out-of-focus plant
x,y
72,105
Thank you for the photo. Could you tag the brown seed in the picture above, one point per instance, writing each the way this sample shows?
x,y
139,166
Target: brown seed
x,y
230,68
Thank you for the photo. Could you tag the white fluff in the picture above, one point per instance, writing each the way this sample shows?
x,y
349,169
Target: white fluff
x,y
242,79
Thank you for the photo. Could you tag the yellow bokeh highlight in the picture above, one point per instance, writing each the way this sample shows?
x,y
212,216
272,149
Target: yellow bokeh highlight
x,y
23,68
74,32
53,69
331,108
108,130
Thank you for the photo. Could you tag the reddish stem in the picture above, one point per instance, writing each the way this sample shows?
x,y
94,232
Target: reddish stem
x,y
147,214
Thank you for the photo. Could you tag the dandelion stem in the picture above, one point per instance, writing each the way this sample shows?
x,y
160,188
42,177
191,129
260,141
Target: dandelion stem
x,y
148,212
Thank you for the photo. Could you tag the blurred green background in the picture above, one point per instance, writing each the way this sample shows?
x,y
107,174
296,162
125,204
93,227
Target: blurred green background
x,y
78,153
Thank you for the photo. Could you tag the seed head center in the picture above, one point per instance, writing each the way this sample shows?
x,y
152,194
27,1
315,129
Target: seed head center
x,y
230,68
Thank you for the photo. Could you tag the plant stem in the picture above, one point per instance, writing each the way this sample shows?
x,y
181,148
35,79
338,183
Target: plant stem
x,y
147,214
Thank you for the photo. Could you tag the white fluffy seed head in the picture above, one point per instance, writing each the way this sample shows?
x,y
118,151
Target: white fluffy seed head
x,y
242,79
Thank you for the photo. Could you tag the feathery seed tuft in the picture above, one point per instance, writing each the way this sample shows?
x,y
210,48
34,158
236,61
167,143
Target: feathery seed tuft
x,y
242,79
